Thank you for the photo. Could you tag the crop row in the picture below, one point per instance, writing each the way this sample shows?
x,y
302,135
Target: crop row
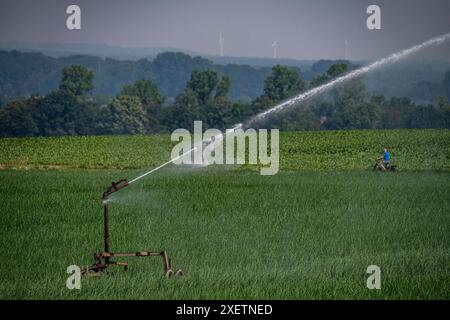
x,y
321,150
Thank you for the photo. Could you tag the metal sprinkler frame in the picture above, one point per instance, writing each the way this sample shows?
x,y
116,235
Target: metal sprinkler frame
x,y
102,260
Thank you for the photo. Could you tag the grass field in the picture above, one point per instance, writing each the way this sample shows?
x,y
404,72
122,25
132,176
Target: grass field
x,y
300,234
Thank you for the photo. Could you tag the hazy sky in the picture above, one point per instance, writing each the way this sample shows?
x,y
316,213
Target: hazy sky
x,y
304,29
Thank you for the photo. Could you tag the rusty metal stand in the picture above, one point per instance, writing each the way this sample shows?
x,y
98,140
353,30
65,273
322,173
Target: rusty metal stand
x,y
103,260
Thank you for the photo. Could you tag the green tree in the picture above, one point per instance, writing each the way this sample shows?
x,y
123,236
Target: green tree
x,y
67,111
396,112
260,104
352,110
283,83
172,70
203,84
299,119
124,115
151,99
363,115
444,109
60,113
16,119
219,113
318,81
223,87
77,81
337,70
211,102
333,72
296,119
147,92
447,84
183,113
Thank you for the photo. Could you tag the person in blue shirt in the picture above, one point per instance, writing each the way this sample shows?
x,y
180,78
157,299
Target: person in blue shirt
x,y
386,157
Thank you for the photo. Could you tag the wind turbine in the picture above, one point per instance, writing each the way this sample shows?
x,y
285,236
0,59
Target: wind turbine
x,y
221,40
274,46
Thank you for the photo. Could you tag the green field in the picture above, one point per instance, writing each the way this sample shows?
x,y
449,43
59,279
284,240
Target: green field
x,y
309,232
415,150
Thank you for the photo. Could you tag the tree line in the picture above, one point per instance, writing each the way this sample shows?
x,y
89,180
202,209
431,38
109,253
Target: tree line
x,y
24,73
141,107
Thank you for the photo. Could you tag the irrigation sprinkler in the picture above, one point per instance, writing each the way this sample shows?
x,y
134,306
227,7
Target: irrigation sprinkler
x,y
103,260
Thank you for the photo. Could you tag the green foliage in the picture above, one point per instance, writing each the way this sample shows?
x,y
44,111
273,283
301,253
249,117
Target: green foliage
x,y
147,92
352,109
401,112
334,71
219,113
318,81
223,87
419,80
363,115
246,82
447,84
124,115
76,80
203,84
183,113
71,111
322,66
346,108
205,98
297,119
172,70
22,74
444,111
16,119
260,104
67,111
151,99
283,83
337,70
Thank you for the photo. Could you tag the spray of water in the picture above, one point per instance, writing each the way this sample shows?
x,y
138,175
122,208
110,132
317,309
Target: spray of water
x,y
163,165
350,76
215,140
318,90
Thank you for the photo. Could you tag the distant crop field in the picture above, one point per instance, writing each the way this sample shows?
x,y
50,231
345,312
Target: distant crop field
x,y
356,150
324,150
